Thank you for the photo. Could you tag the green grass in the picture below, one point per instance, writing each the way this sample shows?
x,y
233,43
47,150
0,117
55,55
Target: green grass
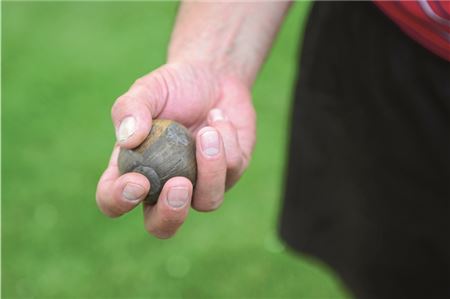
x,y
63,66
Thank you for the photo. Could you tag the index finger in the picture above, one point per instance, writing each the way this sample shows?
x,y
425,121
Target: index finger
x,y
132,112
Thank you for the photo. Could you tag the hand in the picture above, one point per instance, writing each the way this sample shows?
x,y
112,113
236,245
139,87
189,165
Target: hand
x,y
219,113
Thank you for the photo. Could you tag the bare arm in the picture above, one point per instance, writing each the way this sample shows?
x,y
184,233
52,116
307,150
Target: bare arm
x,y
232,37
215,53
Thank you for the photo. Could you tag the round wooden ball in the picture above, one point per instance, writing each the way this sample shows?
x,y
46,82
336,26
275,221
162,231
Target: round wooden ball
x,y
168,151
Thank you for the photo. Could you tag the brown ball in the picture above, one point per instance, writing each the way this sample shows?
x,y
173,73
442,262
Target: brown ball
x,y
168,151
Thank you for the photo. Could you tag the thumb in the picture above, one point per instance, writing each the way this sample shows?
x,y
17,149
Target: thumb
x,y
132,112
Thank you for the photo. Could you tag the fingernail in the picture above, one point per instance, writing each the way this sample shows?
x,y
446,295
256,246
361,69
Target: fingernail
x,y
177,197
133,192
210,143
127,128
216,115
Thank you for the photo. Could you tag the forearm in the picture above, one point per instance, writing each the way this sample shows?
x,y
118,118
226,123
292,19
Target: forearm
x,y
232,38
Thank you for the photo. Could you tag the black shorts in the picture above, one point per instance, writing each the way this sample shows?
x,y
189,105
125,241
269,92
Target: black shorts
x,y
368,177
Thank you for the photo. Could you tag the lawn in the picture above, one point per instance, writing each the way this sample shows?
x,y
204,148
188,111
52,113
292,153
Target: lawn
x,y
63,65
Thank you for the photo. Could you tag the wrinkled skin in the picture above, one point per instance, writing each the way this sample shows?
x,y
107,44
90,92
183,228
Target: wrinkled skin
x,y
208,104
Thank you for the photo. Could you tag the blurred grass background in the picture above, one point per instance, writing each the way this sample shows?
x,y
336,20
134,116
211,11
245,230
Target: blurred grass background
x,y
63,66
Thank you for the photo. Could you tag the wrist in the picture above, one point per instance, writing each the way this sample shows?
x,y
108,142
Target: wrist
x,y
233,39
208,71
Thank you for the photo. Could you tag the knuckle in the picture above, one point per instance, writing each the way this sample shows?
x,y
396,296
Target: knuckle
x,y
139,82
118,105
234,163
152,230
111,208
208,204
172,221
166,224
141,86
112,214
111,211
114,108
103,207
214,170
117,209
159,233
120,101
152,84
